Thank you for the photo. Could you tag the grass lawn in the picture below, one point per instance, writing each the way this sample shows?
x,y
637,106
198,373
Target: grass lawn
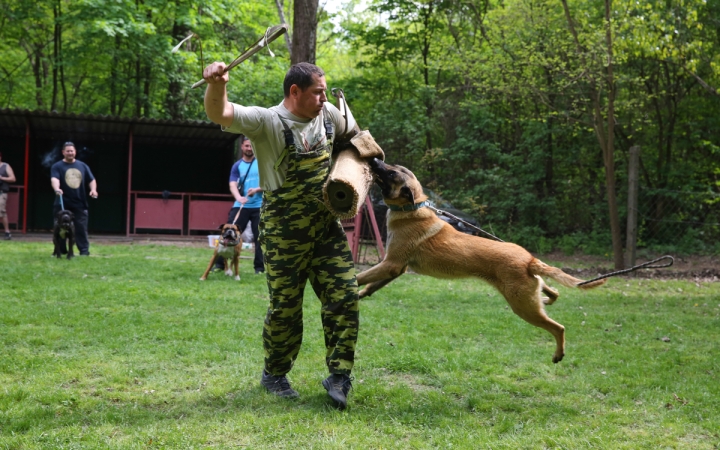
x,y
127,349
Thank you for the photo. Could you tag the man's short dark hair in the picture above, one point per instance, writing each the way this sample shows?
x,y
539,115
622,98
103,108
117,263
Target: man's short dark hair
x,y
68,144
301,74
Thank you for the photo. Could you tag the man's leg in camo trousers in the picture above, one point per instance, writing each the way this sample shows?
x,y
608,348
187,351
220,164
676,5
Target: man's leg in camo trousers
x,y
332,276
286,265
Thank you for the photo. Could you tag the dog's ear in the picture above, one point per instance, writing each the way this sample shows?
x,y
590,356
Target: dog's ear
x,y
221,226
407,193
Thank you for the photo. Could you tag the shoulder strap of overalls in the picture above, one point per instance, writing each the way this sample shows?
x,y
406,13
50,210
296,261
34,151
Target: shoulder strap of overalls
x,y
329,127
289,142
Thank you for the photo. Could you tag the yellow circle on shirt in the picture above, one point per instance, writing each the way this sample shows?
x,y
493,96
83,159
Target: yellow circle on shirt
x,y
73,178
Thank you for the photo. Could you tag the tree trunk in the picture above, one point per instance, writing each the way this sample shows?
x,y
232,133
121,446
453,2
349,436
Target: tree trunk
x,y
173,103
426,74
304,31
609,149
114,76
37,69
146,91
62,69
605,135
138,87
56,56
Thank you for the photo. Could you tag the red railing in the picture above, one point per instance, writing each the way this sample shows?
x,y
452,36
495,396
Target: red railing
x,y
178,212
14,205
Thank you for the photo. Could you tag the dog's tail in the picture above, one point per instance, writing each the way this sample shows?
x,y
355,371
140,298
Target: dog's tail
x,y
538,267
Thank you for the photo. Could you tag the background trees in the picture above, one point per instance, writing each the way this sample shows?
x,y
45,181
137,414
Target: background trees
x,y
522,112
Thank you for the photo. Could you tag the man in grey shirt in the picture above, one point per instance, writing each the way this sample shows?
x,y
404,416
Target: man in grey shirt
x,y
301,240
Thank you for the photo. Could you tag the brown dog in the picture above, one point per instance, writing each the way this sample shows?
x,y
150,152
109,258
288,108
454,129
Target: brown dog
x,y
419,239
228,247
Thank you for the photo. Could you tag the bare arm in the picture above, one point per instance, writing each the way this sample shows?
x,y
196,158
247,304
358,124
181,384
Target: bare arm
x,y
217,106
55,183
10,175
93,189
235,192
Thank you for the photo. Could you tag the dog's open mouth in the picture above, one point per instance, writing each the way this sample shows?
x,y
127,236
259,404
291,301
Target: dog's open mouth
x,y
229,239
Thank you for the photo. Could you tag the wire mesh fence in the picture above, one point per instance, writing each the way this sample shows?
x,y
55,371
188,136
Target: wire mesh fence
x,y
687,220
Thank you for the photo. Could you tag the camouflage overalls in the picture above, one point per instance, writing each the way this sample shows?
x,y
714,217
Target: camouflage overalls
x,y
302,241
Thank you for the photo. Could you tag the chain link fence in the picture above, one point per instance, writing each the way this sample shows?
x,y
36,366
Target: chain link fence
x,y
687,221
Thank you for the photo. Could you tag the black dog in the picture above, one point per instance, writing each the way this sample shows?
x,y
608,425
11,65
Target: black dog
x,y
63,229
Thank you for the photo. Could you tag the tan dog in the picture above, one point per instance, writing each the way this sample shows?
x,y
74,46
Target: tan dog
x,y
419,239
228,247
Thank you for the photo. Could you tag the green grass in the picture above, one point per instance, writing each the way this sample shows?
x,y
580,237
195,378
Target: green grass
x,y
128,349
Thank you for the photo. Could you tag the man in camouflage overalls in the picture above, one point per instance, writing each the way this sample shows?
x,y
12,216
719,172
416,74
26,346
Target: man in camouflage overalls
x,y
301,240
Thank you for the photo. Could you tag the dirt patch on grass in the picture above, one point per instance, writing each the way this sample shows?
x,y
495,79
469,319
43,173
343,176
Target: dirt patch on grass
x,y
696,268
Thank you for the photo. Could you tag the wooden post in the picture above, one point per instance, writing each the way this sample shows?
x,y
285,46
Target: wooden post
x,y
631,244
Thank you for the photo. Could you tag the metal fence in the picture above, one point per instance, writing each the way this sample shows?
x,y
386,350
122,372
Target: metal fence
x,y
688,220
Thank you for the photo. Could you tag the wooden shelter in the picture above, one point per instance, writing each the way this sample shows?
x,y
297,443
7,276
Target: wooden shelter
x,y
154,176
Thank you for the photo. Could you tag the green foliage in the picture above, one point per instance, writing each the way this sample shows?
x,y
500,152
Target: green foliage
x,y
510,133
490,103
113,57
126,349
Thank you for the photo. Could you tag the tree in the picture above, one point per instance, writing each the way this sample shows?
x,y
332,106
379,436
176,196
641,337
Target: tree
x,y
601,84
304,38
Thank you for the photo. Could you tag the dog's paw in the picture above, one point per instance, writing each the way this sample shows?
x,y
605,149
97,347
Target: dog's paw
x,y
202,278
557,359
229,272
363,293
237,277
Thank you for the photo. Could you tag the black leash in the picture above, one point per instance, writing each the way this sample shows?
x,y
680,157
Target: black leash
x,y
646,265
440,212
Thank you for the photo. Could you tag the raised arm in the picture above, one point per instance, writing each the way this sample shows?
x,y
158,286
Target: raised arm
x,y
217,106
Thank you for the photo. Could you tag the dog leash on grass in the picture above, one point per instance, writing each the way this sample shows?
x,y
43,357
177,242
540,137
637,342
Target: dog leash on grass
x,y
647,265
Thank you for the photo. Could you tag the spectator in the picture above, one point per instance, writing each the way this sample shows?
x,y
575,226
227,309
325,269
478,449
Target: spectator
x,y
7,176
245,187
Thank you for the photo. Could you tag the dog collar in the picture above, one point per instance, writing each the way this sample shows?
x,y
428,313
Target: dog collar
x,y
412,207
